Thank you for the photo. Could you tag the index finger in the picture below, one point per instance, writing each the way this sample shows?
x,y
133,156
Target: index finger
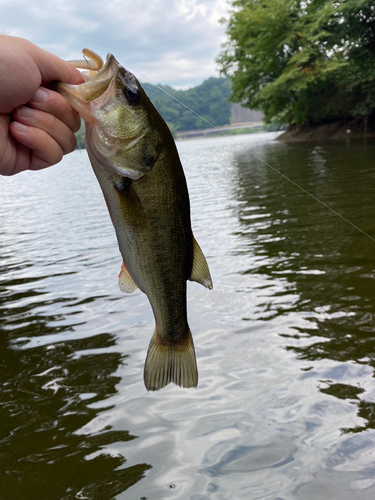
x,y
51,67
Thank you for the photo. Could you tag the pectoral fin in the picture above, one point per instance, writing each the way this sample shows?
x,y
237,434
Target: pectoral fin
x,y
125,281
200,272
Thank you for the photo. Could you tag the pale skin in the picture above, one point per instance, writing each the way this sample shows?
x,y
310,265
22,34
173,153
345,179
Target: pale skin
x,y
37,125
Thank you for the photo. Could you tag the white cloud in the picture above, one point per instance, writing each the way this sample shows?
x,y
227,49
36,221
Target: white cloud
x,y
172,42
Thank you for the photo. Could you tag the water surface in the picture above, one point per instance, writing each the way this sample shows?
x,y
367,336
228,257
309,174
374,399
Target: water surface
x,y
285,407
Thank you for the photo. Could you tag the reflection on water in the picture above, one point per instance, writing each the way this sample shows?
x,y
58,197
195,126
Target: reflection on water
x,y
51,376
285,406
323,261
44,405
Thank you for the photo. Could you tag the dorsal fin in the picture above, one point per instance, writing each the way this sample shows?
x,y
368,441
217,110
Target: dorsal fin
x,y
200,272
125,281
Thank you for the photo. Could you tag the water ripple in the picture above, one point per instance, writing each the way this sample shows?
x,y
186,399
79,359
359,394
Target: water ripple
x,y
285,406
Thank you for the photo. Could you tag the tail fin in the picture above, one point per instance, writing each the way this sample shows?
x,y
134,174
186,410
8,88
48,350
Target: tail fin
x,y
167,363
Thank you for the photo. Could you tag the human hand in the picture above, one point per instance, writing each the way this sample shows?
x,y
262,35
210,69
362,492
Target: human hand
x,y
37,125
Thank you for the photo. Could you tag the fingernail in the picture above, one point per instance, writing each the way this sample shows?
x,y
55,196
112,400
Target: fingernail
x,y
25,112
20,127
40,96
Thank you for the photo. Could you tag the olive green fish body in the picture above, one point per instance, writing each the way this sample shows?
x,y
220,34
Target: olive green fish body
x,y
135,160
155,237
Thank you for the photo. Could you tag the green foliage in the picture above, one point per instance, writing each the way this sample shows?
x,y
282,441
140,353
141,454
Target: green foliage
x,y
243,130
210,100
302,61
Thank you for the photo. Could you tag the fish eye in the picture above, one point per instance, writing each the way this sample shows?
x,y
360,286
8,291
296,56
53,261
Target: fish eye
x,y
132,95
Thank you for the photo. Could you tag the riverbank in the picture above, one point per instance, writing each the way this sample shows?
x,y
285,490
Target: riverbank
x,y
341,129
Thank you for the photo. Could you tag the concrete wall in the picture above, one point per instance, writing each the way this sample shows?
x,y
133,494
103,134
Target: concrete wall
x,y
244,115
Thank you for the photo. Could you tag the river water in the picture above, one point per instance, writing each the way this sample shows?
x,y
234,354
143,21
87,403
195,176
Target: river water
x,y
285,407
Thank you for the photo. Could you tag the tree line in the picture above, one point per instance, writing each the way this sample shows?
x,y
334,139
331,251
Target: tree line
x,y
302,62
209,100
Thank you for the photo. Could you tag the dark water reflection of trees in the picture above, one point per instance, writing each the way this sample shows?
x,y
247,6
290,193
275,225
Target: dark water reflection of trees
x,y
327,264
42,407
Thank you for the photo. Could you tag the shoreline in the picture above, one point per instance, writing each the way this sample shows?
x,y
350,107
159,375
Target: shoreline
x,y
340,129
230,129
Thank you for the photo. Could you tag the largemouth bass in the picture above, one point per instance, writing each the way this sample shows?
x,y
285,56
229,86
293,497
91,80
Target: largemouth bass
x,y
135,160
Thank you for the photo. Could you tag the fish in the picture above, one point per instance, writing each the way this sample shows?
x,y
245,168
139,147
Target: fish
x,y
134,157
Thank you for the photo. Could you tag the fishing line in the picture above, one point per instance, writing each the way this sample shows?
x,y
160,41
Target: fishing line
x,y
263,161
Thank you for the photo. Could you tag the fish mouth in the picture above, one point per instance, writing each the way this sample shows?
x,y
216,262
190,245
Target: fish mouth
x,y
101,92
110,66
98,80
97,84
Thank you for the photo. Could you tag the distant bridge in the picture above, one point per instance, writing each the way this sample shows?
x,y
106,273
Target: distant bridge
x,y
190,134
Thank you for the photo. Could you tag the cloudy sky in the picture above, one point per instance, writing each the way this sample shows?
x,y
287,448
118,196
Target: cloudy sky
x,y
172,42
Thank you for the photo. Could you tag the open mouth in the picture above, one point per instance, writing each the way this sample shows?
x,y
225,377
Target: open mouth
x,y
98,76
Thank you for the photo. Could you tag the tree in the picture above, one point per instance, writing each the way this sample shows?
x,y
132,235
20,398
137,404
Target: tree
x,y
210,100
308,61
